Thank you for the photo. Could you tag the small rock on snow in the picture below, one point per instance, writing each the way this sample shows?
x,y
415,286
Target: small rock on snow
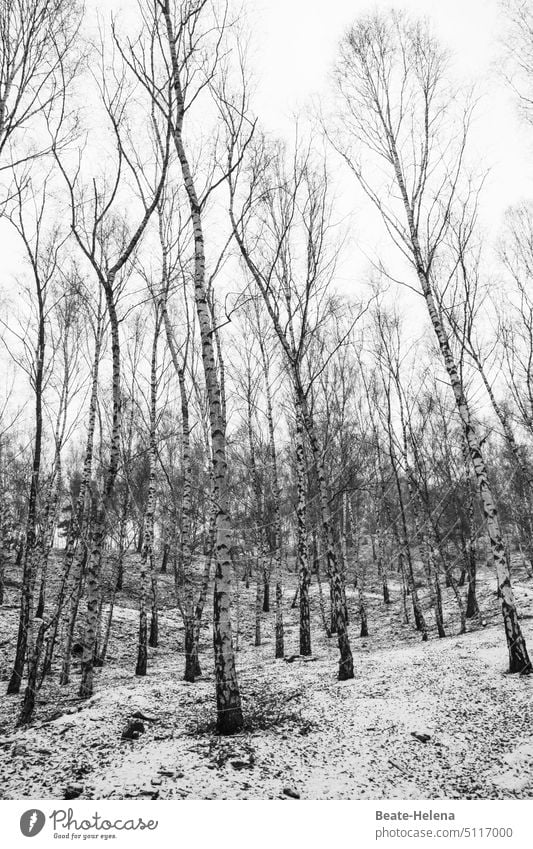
x,y
292,794
424,738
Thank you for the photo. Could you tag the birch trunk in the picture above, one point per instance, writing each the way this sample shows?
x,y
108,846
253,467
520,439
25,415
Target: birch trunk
x,y
321,601
346,670
229,712
525,476
518,656
472,607
276,491
148,524
28,569
191,653
359,569
73,562
408,572
99,527
258,582
301,543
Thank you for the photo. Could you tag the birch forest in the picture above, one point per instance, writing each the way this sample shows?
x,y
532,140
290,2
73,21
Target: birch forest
x,y
266,411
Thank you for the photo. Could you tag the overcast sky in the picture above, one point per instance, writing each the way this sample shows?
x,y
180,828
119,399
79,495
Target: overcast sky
x,y
293,48
295,43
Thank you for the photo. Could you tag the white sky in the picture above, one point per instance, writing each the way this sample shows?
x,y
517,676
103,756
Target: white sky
x,y
293,47
295,44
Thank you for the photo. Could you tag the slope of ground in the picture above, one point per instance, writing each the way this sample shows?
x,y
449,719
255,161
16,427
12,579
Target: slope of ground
x,y
306,733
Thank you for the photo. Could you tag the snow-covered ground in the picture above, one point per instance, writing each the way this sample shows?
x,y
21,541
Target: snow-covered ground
x,y
307,735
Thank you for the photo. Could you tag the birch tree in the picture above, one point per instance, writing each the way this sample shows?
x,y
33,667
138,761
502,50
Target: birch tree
x,y
38,39
176,62
107,244
393,90
287,205
42,247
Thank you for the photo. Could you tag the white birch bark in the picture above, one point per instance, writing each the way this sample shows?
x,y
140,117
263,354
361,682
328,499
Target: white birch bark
x,y
229,710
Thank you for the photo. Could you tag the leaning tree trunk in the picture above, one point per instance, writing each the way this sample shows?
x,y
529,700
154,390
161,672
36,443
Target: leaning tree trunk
x,y
518,656
321,601
525,477
229,711
35,648
103,643
30,693
419,618
99,528
293,361
28,570
75,560
346,670
192,611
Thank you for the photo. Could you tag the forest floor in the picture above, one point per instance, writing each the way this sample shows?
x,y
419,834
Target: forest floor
x,y
307,735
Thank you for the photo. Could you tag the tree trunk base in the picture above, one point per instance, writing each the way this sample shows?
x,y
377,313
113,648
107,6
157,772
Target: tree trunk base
x,y
519,661
346,672
153,640
230,720
86,686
